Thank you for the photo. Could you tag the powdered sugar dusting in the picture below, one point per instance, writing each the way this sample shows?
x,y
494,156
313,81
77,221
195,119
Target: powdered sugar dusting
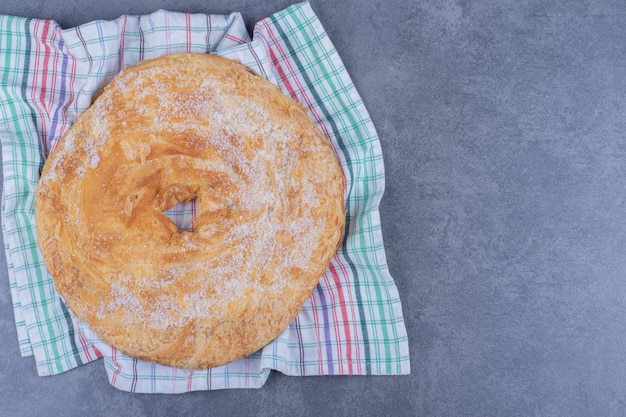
x,y
93,156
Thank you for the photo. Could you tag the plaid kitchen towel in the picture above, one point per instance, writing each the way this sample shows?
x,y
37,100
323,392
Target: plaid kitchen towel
x,y
351,325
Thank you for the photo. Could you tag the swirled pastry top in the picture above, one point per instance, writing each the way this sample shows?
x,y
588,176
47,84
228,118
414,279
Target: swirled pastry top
x,y
270,211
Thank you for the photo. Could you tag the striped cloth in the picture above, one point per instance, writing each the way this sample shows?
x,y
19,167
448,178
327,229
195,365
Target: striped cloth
x,y
351,325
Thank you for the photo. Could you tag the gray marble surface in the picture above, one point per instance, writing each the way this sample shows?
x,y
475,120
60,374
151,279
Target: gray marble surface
x,y
503,127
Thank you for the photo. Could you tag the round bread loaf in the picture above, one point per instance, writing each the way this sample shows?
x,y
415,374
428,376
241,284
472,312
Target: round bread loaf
x,y
270,211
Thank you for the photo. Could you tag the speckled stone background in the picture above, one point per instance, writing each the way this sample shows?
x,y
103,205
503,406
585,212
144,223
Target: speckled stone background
x,y
503,127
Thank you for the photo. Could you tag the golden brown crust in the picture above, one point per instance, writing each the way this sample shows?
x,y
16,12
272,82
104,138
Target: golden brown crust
x,y
270,211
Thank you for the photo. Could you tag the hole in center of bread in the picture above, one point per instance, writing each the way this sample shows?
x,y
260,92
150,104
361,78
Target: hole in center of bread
x,y
183,214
